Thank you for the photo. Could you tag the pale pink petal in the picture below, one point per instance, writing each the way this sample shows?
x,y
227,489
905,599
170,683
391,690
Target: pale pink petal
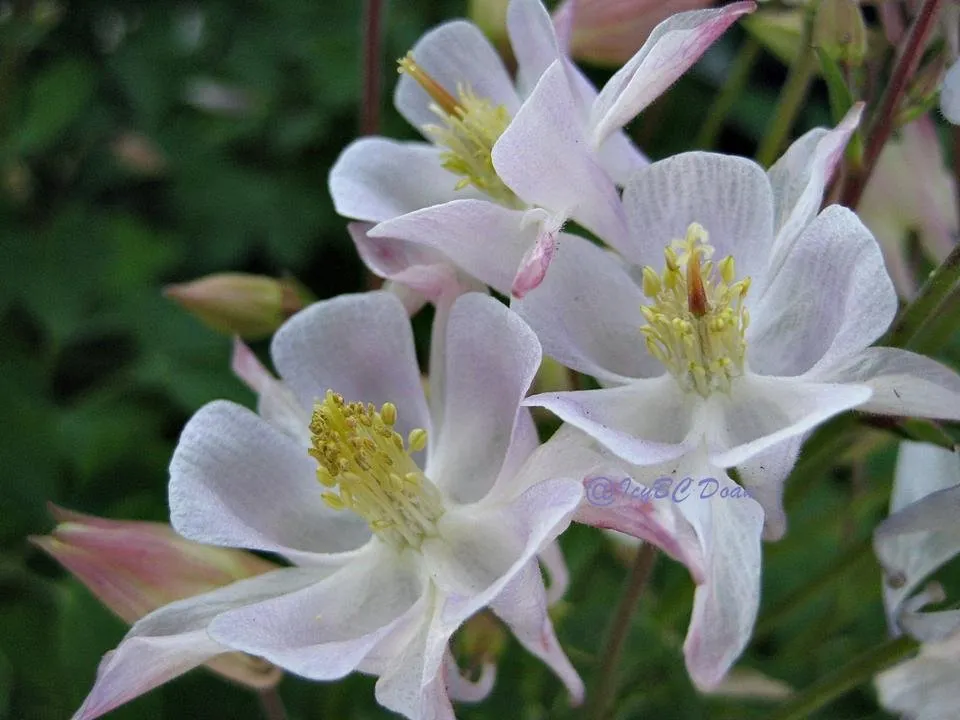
x,y
551,558
831,299
673,46
324,631
485,239
491,359
235,480
360,346
544,158
371,179
534,263
764,475
275,402
426,271
903,383
645,422
174,639
455,53
760,412
729,196
464,690
587,314
522,605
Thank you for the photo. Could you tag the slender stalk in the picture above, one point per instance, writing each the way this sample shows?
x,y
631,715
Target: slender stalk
x,y
882,125
792,95
372,75
845,679
605,683
732,88
272,704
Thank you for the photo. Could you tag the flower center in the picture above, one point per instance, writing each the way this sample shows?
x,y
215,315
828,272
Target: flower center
x,y
367,468
697,320
471,127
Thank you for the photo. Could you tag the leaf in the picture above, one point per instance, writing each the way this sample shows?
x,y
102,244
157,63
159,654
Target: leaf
x,y
56,99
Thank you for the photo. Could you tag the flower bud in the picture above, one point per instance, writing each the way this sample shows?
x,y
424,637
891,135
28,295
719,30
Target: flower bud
x,y
839,30
135,567
251,306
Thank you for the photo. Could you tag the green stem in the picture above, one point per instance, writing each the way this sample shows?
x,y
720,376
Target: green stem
x,y
605,685
814,588
854,673
733,88
938,288
792,95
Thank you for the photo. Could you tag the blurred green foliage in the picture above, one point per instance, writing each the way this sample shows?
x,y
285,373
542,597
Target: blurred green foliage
x,y
148,143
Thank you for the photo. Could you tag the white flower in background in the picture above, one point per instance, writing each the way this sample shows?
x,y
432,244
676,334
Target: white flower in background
x,y
755,328
404,521
896,202
497,183
921,534
697,515
926,687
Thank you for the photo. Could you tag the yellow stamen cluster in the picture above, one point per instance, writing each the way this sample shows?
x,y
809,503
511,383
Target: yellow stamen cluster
x,y
367,468
697,320
471,127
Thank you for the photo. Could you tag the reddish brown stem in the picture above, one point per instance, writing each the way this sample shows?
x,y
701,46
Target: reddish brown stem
x,y
882,125
372,75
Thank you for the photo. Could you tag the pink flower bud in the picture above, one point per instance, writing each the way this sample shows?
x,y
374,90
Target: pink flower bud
x,y
135,567
251,306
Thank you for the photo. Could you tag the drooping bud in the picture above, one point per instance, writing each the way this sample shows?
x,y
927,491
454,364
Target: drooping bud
x,y
839,30
251,306
135,567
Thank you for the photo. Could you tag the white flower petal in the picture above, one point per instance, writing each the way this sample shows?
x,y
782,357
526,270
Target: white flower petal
x,y
491,359
903,383
729,196
482,547
522,605
831,299
764,475
673,46
360,346
235,480
800,178
533,41
371,179
324,631
924,687
761,412
587,314
275,402
726,602
485,239
455,53
645,422
173,639
543,157
921,533
950,94
464,690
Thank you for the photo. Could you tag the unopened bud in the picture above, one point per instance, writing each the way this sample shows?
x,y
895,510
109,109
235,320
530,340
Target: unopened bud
x,y
135,567
839,30
251,306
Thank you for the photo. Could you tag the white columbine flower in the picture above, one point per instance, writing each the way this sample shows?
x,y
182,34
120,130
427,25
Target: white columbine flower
x,y
921,534
491,190
752,329
403,521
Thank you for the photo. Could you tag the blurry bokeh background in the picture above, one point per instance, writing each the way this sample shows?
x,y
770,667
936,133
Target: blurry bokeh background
x,y
149,143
